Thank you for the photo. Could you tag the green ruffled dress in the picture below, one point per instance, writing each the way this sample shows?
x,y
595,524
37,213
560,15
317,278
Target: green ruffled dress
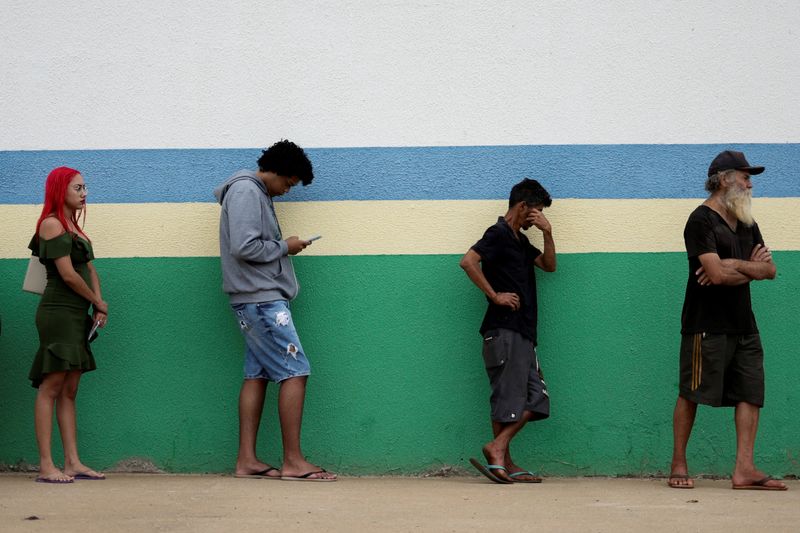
x,y
62,319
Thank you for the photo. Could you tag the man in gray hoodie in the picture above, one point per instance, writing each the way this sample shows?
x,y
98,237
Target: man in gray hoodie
x,y
258,275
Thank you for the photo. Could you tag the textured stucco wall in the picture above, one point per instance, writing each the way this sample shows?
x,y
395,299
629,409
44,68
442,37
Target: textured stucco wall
x,y
148,74
419,117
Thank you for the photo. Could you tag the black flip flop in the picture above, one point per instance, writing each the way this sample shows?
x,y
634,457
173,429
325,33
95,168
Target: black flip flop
x,y
259,475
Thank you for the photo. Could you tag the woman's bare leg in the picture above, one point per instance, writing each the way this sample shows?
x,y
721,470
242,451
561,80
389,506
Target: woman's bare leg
x,y
68,425
49,391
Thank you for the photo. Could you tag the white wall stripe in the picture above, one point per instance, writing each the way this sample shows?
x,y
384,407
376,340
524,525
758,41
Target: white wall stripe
x,y
181,74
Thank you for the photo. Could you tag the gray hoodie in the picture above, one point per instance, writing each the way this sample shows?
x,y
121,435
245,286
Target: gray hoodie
x,y
255,263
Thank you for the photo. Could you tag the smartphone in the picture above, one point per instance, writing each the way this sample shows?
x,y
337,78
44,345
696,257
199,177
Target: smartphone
x,y
314,238
93,330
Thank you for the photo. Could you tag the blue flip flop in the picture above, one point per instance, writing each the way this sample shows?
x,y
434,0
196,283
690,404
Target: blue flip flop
x,y
536,479
486,470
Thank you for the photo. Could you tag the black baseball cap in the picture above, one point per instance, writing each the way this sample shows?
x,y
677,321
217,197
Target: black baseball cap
x,y
730,160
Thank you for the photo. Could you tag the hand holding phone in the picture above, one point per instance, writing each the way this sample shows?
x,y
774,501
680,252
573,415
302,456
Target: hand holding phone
x,y
93,330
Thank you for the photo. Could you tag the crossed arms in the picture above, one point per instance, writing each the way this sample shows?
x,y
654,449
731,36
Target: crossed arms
x,y
716,271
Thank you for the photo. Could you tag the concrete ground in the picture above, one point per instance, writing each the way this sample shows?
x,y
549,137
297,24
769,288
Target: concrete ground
x,y
153,502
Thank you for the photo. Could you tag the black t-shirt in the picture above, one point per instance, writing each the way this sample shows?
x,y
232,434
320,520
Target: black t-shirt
x,y
508,266
717,308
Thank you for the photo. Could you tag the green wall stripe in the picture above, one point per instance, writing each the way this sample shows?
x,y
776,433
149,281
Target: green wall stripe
x,y
397,383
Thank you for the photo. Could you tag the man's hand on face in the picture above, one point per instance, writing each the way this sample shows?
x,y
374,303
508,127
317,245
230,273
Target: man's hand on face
x,y
296,245
537,218
508,299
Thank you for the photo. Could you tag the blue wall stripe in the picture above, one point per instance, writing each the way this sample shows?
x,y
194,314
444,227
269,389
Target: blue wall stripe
x,y
406,173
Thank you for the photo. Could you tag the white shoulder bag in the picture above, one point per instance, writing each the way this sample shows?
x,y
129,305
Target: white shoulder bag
x,y
35,277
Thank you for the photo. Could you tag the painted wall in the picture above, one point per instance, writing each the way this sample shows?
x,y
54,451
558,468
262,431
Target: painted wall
x,y
418,117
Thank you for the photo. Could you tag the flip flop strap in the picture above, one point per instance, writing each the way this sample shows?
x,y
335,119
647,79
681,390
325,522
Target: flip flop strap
x,y
309,474
522,473
495,467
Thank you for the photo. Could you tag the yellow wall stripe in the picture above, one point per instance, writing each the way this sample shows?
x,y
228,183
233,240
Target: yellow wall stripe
x,y
397,227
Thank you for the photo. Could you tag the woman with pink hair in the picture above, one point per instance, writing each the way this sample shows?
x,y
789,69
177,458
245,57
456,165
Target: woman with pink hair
x,y
63,321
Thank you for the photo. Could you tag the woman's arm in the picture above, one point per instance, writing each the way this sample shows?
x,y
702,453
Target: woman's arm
x,y
52,228
98,315
95,280
75,282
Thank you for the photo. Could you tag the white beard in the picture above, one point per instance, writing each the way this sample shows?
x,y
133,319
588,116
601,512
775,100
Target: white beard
x,y
739,202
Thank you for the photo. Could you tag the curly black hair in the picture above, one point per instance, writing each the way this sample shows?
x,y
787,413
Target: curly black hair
x,y
285,158
531,192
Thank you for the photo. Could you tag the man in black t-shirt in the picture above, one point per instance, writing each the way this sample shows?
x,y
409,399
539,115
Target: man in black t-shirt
x,y
501,265
721,359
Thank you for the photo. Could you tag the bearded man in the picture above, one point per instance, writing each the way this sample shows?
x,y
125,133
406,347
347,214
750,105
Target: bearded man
x,y
721,359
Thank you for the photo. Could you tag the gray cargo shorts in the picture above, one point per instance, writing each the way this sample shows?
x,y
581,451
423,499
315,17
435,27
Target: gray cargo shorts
x,y
515,377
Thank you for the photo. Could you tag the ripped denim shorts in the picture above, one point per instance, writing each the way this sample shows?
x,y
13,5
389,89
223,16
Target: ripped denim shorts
x,y
272,347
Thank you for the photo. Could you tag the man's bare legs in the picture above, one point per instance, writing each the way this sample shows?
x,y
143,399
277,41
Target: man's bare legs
x,y
524,475
290,409
497,452
682,423
745,471
251,406
291,398
508,462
